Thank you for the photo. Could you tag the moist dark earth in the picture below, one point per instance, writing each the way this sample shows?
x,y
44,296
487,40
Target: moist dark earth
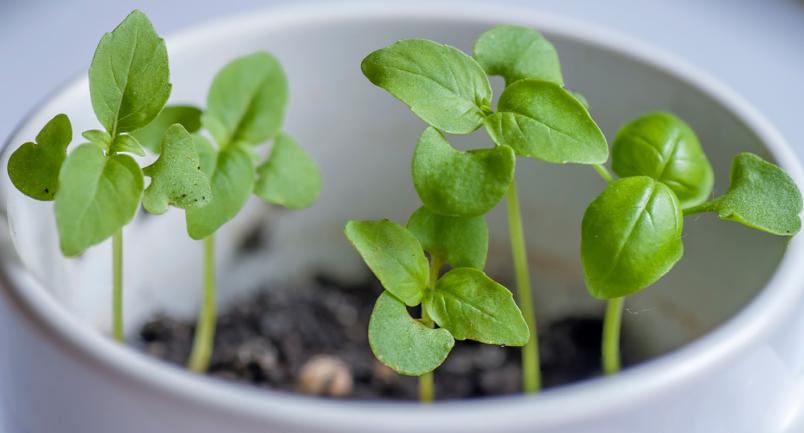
x,y
313,339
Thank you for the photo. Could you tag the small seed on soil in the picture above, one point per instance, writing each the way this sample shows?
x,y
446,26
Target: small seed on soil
x,y
325,375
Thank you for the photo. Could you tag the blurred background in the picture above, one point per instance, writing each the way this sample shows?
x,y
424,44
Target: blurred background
x,y
755,46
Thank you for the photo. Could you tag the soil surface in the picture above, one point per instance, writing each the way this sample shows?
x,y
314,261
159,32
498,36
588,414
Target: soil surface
x,y
313,339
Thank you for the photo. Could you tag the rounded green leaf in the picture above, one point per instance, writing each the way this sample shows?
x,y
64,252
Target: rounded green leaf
x,y
630,237
129,75
232,179
289,177
394,255
151,135
761,196
34,166
126,143
247,100
460,242
472,306
664,147
541,120
176,176
99,137
98,195
441,84
516,53
455,183
403,343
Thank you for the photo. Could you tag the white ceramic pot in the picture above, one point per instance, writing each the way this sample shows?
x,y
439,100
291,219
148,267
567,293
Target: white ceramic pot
x,y
724,331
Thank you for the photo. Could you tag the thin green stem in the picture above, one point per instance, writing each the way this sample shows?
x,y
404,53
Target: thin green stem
x,y
426,382
611,335
205,327
603,172
531,370
117,285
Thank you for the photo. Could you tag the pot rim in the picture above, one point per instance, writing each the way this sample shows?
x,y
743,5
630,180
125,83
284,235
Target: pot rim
x,y
576,402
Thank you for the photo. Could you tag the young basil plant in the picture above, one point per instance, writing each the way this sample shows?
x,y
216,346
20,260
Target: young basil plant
x,y
631,233
535,117
98,187
245,109
464,302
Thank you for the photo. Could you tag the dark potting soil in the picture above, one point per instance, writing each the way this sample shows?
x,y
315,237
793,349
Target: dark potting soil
x,y
313,339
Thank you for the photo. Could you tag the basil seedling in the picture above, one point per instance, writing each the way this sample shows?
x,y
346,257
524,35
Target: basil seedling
x,y
98,187
464,302
245,109
631,233
535,117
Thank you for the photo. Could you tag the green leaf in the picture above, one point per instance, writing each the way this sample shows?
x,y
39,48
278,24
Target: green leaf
x,y
231,178
461,242
128,78
207,155
630,237
34,166
516,53
541,120
127,143
455,183
664,147
403,343
582,99
151,135
98,195
246,102
394,255
289,177
441,84
473,306
761,196
176,177
99,138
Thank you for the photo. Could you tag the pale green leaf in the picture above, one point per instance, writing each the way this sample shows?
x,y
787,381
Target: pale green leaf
x,y
98,195
129,76
516,53
403,343
472,306
34,166
394,255
455,183
99,138
289,177
176,176
127,143
151,135
460,242
246,102
541,120
231,178
442,85
630,237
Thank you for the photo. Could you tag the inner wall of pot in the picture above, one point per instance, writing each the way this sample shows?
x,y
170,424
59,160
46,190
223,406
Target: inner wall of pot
x,y
363,140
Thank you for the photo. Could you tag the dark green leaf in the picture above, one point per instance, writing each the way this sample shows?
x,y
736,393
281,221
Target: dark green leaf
x,y
128,78
394,255
516,53
455,183
98,195
441,84
34,166
247,100
630,237
461,242
539,119
761,196
664,147
151,136
472,306
403,343
289,177
176,177
231,178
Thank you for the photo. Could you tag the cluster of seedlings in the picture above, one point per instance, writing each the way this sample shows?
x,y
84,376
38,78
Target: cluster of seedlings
x,y
207,162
